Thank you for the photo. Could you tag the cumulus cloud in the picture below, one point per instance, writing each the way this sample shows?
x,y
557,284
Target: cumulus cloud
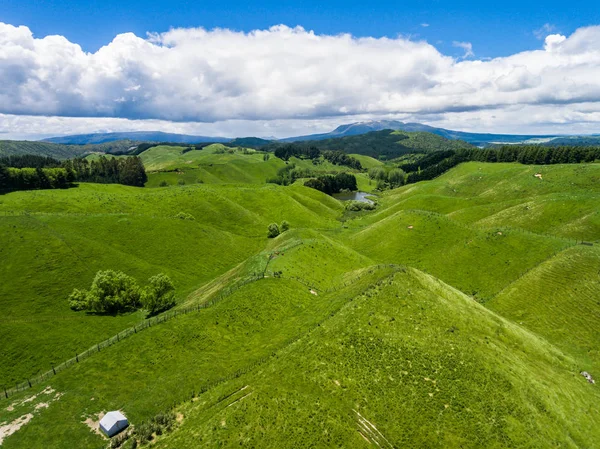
x,y
283,73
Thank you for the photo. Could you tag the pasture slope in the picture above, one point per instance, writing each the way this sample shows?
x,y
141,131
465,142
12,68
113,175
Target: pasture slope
x,y
459,313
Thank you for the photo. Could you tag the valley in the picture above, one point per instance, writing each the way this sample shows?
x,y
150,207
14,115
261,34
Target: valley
x,y
459,312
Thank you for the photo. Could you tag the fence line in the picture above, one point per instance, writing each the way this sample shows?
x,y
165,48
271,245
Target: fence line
x,y
166,316
276,353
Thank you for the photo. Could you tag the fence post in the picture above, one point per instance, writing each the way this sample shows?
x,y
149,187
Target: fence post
x,y
77,357
5,393
29,382
53,369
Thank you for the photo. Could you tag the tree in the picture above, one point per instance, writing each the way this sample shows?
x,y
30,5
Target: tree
x,y
378,174
131,172
111,292
159,294
284,226
396,177
273,230
4,177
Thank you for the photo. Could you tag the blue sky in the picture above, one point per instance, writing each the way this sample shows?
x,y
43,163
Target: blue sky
x,y
494,28
511,67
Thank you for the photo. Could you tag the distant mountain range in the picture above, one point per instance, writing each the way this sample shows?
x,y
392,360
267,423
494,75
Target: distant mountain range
x,y
478,139
351,129
138,136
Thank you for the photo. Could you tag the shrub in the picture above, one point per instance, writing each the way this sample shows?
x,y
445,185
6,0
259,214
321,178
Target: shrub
x,y
78,299
181,182
163,184
356,206
273,230
284,226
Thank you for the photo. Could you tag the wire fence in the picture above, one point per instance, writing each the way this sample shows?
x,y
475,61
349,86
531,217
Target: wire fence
x,y
166,316
289,342
153,321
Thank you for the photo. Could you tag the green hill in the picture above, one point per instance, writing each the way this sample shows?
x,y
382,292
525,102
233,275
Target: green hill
x,y
558,300
459,313
410,362
66,236
213,164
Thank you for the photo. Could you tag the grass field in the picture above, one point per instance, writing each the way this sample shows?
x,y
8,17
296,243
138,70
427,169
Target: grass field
x,y
54,241
459,313
411,363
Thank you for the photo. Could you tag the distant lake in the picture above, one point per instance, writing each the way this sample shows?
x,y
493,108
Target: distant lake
x,y
353,196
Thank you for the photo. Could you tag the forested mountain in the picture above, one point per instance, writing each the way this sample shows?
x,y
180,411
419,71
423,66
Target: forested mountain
x,y
62,151
387,143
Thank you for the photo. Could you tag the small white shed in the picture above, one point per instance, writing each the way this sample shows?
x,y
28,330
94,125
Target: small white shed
x,y
113,423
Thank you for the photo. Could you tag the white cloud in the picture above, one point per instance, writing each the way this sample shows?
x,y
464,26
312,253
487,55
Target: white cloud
x,y
466,46
553,42
425,25
283,76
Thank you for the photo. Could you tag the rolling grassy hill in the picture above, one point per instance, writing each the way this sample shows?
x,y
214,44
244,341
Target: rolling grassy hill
x,y
410,362
54,241
559,300
459,313
214,164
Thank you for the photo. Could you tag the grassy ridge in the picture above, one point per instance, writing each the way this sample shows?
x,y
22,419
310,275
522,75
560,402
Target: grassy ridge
x,y
559,301
562,203
469,256
409,356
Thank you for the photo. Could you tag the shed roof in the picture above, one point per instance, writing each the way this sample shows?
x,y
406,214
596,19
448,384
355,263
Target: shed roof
x,y
113,422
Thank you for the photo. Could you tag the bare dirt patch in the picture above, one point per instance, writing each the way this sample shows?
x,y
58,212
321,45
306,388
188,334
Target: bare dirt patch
x,y
7,430
94,424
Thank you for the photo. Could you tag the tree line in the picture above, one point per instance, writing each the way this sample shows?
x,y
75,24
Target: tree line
x,y
430,168
31,172
289,174
127,170
331,184
340,158
336,157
